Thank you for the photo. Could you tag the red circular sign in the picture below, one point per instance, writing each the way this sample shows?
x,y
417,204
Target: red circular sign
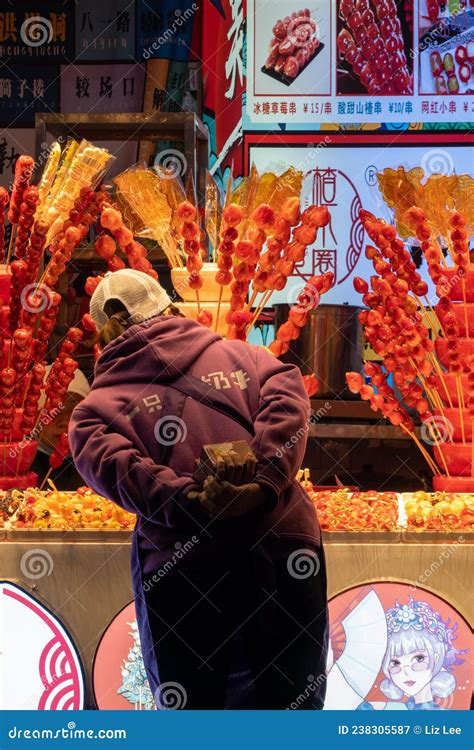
x,y
119,677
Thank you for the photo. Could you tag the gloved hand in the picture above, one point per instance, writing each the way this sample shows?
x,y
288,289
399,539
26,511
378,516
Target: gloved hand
x,y
223,500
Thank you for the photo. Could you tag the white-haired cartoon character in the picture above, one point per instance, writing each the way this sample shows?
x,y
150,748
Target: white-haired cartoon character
x,y
410,643
419,659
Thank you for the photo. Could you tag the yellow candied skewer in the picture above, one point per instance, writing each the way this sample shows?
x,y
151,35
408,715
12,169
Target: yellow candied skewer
x,y
67,157
47,179
142,190
87,165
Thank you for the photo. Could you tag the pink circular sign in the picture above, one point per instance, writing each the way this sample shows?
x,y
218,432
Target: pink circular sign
x,y
40,668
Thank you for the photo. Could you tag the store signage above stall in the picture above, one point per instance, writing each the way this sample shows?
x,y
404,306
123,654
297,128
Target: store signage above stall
x,y
358,61
37,32
105,30
341,173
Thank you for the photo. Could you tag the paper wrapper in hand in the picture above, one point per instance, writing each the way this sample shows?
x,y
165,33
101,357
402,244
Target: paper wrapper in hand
x,y
206,463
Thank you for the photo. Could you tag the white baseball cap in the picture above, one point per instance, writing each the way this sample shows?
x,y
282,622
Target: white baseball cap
x,y
141,295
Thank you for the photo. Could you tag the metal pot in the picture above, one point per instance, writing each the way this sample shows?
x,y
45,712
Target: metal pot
x,y
330,345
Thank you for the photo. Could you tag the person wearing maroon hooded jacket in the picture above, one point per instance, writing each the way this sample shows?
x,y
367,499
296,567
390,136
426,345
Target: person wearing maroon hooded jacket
x,y
237,558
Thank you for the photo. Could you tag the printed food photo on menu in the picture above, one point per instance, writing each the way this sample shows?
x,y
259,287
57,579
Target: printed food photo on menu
x,y
375,48
292,48
446,46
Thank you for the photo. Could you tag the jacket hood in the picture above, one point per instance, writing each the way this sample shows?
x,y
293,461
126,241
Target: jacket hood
x,y
161,348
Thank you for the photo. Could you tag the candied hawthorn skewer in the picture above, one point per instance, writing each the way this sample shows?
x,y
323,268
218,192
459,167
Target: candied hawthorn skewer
x,y
57,457
136,254
26,220
307,300
460,250
303,235
189,231
4,200
248,252
21,180
232,217
387,403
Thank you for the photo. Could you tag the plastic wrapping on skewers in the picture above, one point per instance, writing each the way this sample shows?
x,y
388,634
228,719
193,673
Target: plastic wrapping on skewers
x,y
141,189
85,169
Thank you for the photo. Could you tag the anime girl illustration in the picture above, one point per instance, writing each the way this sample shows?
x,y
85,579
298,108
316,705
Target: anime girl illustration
x,y
420,657
410,645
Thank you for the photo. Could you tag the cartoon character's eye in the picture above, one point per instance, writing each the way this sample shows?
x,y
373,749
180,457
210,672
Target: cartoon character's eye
x,y
394,663
420,657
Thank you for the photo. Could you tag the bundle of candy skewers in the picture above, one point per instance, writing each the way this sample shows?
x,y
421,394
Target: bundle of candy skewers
x,y
251,240
426,349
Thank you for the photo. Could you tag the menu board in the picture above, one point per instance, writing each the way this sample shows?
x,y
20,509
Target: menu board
x,y
341,173
364,61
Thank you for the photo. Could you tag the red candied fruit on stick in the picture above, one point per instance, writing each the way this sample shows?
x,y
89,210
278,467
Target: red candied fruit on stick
x,y
354,381
205,318
263,216
186,211
360,285
233,214
316,216
311,384
111,219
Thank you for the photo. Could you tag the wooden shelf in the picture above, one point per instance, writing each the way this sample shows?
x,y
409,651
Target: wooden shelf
x,y
339,409
348,431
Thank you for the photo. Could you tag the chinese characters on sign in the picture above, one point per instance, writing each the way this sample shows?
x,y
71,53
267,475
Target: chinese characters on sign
x,y
235,34
26,90
328,64
105,30
102,88
44,31
165,28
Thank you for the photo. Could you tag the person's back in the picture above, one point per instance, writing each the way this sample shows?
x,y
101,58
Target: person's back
x,y
240,554
131,393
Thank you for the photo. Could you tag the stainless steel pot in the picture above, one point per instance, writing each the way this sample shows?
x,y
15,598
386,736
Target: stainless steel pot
x,y
330,345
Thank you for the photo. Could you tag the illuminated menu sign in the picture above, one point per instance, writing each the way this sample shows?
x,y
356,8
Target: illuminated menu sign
x,y
364,61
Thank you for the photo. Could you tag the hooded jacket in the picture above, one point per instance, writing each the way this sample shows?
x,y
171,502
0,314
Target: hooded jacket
x,y
120,433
